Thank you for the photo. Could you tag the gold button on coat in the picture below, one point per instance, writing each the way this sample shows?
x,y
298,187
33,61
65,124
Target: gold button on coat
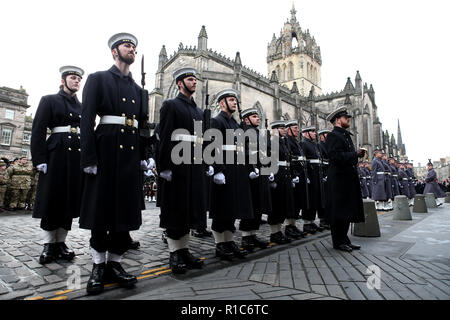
x,y
132,148
123,99
70,149
121,146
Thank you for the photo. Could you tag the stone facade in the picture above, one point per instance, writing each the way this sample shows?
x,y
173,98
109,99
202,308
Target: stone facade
x,y
292,89
15,126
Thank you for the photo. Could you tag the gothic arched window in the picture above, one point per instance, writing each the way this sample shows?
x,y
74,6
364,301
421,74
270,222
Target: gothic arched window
x,y
291,71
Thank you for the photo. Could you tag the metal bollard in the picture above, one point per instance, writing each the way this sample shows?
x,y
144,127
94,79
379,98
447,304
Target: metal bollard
x,y
371,227
401,208
430,200
419,204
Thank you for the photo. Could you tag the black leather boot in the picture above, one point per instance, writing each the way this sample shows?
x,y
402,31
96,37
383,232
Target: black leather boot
x,y
190,260
260,243
292,232
64,252
115,273
237,252
318,228
176,262
223,251
279,238
96,280
247,243
48,254
309,228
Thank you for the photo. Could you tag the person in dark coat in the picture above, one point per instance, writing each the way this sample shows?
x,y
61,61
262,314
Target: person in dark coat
x,y
316,185
58,161
325,163
403,181
394,170
344,201
231,197
388,185
112,160
411,181
362,180
259,184
368,177
282,189
378,181
182,185
298,161
431,185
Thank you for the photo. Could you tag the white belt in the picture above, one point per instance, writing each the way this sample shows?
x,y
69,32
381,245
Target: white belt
x,y
326,163
187,138
314,161
405,179
380,172
364,178
283,163
119,120
394,175
229,147
66,129
300,158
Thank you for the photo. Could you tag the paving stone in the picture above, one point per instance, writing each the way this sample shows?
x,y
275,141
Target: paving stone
x,y
313,276
306,296
10,279
52,278
3,290
319,288
327,276
336,291
370,294
300,280
286,279
352,291
421,292
20,285
278,293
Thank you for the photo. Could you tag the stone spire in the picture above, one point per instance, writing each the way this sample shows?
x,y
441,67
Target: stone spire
x,y
349,86
203,40
273,77
293,13
358,82
400,145
294,88
162,57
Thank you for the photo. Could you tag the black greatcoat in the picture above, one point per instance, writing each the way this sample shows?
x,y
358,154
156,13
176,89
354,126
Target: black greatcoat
x,y
311,152
283,203
59,190
112,199
344,193
298,170
232,200
182,200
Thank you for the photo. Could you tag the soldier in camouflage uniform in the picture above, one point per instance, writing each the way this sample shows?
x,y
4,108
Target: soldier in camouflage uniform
x,y
32,193
3,184
19,181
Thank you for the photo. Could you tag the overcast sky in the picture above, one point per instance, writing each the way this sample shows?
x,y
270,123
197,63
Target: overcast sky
x,y
399,46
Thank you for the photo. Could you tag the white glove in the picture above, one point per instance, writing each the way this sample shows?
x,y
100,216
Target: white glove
x,y
148,173
271,177
254,174
219,178
90,170
150,163
166,175
143,165
42,167
210,171
273,185
325,179
308,181
295,180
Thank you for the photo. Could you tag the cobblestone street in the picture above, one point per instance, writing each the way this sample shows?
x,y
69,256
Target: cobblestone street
x,y
413,257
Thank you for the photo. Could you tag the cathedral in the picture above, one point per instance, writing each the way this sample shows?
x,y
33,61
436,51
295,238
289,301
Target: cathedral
x,y
291,90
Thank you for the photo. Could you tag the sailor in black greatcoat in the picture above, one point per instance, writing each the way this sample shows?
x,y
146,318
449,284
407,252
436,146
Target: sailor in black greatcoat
x,y
181,185
297,168
316,181
323,215
259,184
231,197
58,160
112,158
344,200
283,204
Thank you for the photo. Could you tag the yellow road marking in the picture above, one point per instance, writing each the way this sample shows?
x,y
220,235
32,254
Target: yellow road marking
x,y
144,277
36,298
62,292
163,272
59,298
153,270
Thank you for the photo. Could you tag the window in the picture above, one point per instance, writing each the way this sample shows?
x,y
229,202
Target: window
x,y
26,137
24,153
9,114
6,136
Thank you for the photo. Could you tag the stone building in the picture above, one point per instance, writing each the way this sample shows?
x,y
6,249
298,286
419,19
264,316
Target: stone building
x,y
15,126
291,90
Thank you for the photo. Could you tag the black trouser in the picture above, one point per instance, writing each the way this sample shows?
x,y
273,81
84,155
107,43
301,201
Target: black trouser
x,y
221,225
251,224
113,242
51,224
176,234
200,222
275,219
339,231
309,214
